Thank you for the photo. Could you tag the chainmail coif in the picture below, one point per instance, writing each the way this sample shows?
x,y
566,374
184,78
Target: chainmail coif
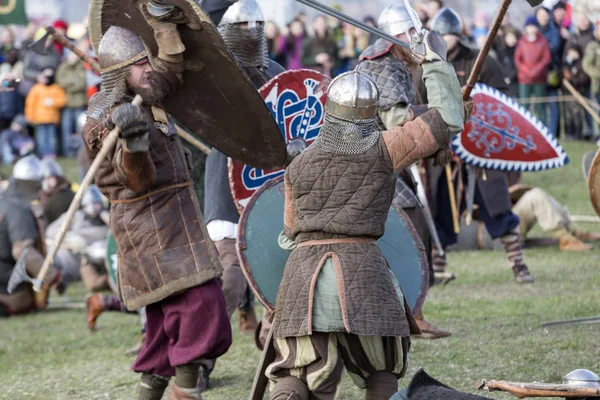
x,y
113,90
347,137
249,46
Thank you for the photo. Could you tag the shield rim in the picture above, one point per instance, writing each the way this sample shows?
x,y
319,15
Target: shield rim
x,y
467,157
114,286
230,161
241,246
594,183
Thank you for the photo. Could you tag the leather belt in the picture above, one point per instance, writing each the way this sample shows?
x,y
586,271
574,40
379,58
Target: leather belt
x,y
145,196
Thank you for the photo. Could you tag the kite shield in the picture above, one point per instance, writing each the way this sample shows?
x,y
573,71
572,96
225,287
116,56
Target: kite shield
x,y
263,261
503,135
217,101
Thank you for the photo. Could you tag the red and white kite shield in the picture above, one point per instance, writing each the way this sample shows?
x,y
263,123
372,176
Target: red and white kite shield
x,y
297,102
503,135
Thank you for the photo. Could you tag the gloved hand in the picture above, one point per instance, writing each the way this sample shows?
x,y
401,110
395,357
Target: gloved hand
x,y
429,47
469,105
131,120
442,157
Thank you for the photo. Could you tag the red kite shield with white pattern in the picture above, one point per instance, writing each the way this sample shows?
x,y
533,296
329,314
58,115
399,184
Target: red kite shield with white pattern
x,y
503,135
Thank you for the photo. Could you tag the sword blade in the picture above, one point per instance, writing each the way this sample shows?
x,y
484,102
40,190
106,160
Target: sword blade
x,y
577,321
470,194
422,196
343,17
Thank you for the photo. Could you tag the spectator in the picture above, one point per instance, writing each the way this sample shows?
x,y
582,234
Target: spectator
x,y
8,52
369,20
335,27
506,57
480,28
354,43
291,44
61,26
574,73
431,8
552,36
71,77
34,64
558,16
273,36
591,63
42,108
15,141
583,35
320,52
11,102
532,59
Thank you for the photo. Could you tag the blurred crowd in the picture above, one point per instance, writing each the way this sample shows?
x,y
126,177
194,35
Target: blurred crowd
x,y
560,41
43,94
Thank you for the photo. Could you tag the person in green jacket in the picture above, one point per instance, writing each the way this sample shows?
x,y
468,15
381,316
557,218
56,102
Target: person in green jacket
x,y
71,77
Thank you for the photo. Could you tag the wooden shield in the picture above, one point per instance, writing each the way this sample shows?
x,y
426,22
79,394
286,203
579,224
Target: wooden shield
x,y
217,101
296,100
594,182
263,261
112,262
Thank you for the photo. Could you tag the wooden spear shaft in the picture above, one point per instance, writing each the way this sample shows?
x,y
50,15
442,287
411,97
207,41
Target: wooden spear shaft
x,y
107,145
473,77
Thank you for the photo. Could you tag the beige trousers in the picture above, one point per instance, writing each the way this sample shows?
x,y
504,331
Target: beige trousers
x,y
538,206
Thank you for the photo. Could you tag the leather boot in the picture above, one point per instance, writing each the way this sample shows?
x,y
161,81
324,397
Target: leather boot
x,y
428,330
572,243
247,321
95,307
588,236
522,274
177,393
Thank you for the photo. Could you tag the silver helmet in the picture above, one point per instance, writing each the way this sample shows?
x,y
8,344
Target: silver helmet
x,y
243,11
350,125
242,29
119,48
92,202
352,96
582,377
395,19
51,168
28,169
447,22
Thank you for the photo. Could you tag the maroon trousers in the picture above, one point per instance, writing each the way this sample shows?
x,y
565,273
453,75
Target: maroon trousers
x,y
183,328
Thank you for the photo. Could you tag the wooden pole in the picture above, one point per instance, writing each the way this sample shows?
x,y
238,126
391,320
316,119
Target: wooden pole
x,y
581,100
107,145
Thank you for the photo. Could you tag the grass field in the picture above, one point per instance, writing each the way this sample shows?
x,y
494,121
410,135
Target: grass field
x,y
496,326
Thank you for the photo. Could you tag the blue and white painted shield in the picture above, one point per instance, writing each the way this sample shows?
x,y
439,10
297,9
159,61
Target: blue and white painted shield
x,y
503,135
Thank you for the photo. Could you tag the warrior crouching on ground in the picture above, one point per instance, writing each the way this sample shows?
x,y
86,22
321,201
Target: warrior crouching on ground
x,y
166,260
338,304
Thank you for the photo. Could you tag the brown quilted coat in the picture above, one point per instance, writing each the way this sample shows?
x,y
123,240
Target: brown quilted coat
x,y
164,248
337,196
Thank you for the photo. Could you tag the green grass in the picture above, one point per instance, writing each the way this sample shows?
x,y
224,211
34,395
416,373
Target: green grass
x,y
496,326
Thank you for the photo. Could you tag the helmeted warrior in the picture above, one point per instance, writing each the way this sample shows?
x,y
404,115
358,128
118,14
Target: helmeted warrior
x,y
338,304
491,192
242,29
166,260
390,67
20,238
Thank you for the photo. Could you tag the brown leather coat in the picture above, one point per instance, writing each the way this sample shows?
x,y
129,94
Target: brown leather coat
x,y
336,206
164,248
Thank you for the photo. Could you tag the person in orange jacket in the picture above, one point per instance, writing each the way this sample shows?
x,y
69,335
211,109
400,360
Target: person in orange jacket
x,y
42,109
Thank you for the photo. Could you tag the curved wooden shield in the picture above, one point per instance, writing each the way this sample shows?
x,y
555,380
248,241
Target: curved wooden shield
x,y
217,102
112,262
263,261
296,100
503,135
594,182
